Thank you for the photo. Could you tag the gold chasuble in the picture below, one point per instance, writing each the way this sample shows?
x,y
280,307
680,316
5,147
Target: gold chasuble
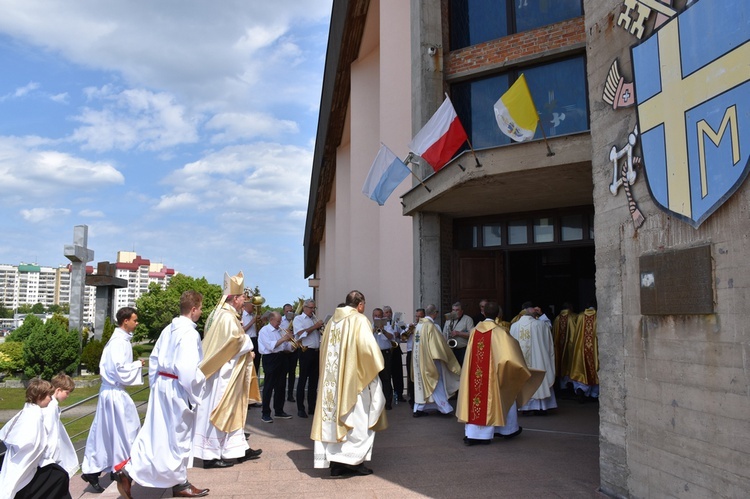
x,y
561,329
350,360
493,377
223,340
584,364
431,347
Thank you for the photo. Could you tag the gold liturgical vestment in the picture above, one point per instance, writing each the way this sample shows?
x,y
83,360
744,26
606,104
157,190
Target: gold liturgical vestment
x,y
223,340
357,362
562,328
494,356
584,364
431,347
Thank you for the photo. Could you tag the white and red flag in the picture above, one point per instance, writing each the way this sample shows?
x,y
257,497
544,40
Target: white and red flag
x,y
441,137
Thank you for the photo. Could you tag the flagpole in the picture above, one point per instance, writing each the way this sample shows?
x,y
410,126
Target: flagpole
x,y
541,126
408,161
473,152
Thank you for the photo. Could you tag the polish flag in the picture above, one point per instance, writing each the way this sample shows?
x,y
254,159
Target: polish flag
x,y
441,137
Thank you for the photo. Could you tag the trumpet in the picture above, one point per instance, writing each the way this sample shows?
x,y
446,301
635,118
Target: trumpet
x,y
408,332
452,343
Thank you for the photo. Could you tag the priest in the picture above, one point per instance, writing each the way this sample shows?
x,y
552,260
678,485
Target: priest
x,y
350,404
494,381
584,363
230,382
535,338
434,368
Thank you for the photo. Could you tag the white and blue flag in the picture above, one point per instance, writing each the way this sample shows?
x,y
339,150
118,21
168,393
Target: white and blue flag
x,y
386,173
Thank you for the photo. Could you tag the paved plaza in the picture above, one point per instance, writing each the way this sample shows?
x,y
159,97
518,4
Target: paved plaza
x,y
555,456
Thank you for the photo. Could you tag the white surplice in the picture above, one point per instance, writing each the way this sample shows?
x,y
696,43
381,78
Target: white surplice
x,y
535,338
162,450
357,445
25,438
60,449
210,442
116,422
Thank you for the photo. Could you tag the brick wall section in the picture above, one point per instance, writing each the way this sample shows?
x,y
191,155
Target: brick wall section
x,y
518,46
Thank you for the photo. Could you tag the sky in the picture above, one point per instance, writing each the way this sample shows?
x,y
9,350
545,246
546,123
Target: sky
x,y
182,130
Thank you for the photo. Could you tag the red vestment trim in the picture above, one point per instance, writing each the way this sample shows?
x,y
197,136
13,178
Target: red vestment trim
x,y
168,375
588,350
479,370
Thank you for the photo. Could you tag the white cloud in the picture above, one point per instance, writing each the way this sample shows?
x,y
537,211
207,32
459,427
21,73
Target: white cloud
x,y
91,213
28,170
172,202
133,119
61,98
237,126
36,215
20,91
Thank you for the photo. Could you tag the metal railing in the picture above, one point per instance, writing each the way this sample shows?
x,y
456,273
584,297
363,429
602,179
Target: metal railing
x,y
84,434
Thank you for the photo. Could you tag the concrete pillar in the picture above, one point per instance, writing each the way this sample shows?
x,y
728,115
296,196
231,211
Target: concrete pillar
x,y
79,254
427,95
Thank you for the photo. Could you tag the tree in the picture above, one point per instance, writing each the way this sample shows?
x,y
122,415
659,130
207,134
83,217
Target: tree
x,y
11,357
24,309
6,313
92,351
30,323
37,308
51,349
158,306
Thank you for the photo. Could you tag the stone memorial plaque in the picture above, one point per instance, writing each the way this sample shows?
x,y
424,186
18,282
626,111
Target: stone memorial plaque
x,y
677,282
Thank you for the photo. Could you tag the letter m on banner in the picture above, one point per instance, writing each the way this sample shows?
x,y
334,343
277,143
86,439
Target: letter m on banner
x,y
692,82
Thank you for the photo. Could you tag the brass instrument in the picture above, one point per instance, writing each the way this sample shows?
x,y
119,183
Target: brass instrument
x,y
408,332
257,300
452,343
294,341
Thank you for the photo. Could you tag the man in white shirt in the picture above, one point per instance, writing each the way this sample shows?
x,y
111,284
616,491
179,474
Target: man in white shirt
x,y
307,332
397,355
290,373
273,342
248,324
458,328
384,343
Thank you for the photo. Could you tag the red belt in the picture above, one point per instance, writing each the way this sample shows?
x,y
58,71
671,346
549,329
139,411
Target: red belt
x,y
168,375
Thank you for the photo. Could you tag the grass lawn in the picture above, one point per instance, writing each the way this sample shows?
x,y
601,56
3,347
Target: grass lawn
x,y
14,398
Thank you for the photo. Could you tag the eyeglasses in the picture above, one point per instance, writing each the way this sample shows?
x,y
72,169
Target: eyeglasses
x,y
314,308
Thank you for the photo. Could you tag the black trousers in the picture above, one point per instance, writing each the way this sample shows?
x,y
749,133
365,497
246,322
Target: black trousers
x,y
460,353
309,371
273,367
50,481
410,384
291,372
385,377
256,360
397,372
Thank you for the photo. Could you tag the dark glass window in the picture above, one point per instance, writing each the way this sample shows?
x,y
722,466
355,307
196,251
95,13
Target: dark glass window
x,y
478,21
492,235
558,90
474,101
530,14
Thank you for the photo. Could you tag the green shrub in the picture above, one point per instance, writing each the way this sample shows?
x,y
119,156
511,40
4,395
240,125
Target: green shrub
x,y
92,355
51,349
30,324
11,357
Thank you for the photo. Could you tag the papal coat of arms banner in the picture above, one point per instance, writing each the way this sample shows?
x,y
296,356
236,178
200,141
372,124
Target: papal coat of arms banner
x,y
692,84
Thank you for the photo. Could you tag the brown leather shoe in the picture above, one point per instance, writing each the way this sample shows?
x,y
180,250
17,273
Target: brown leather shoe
x,y
189,491
124,483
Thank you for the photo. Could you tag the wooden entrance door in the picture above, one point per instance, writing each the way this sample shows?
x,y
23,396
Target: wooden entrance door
x,y
476,275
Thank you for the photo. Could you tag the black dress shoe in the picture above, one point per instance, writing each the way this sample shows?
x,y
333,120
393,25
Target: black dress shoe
x,y
301,414
420,414
188,490
124,483
338,469
359,469
475,441
282,415
290,399
216,463
514,434
93,480
249,455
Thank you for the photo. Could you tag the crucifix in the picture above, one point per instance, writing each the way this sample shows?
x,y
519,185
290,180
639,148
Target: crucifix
x,y
79,254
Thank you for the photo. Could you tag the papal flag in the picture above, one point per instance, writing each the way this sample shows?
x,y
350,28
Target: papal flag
x,y
386,173
515,112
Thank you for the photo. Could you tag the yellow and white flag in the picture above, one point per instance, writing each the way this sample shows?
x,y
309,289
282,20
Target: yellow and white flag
x,y
515,112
